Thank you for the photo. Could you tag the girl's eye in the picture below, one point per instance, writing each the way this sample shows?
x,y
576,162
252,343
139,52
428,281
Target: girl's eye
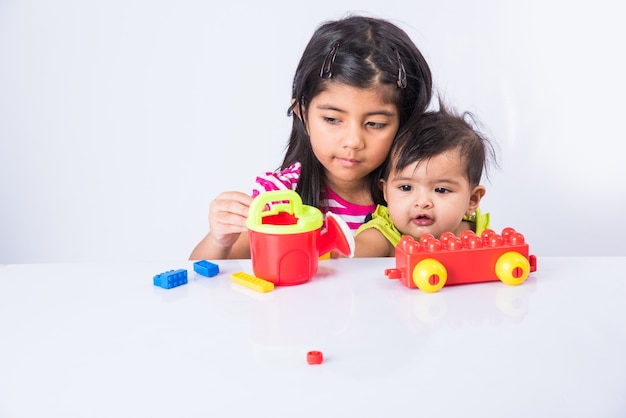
x,y
376,125
405,188
331,120
442,190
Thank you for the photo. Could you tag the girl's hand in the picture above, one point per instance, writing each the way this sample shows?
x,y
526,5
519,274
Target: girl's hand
x,y
227,237
227,217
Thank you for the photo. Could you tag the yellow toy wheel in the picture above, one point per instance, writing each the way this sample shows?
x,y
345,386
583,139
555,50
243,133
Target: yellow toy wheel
x,y
429,275
512,268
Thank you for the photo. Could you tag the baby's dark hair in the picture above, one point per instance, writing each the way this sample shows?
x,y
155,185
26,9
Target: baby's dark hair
x,y
358,51
438,131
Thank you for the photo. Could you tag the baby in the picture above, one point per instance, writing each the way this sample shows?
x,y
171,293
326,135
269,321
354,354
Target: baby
x,y
431,183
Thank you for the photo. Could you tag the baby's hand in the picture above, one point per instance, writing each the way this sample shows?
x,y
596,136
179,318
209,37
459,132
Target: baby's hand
x,y
227,217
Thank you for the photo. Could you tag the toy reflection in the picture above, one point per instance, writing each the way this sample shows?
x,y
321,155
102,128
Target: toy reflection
x,y
461,306
356,328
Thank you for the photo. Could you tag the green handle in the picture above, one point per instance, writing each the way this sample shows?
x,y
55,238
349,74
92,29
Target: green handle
x,y
309,218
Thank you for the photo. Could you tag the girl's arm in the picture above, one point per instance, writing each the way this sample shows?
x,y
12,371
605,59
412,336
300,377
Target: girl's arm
x,y
227,237
207,249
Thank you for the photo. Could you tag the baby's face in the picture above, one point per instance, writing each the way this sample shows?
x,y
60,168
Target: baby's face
x,y
429,197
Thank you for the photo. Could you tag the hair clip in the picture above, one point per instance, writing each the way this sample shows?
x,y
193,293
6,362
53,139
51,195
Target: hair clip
x,y
401,71
327,66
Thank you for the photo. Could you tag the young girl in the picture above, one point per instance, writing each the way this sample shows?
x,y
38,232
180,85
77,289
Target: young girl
x,y
358,81
431,184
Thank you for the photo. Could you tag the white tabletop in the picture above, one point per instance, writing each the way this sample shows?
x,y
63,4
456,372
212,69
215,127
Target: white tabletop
x,y
100,340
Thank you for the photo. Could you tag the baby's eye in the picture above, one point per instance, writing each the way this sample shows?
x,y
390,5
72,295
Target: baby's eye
x,y
442,190
405,188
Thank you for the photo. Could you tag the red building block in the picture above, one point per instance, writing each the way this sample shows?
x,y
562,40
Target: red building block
x,y
432,263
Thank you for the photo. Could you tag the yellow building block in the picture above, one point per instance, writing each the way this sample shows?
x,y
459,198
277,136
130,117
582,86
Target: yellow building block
x,y
252,282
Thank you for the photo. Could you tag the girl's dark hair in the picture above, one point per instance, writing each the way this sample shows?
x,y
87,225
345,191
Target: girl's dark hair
x,y
358,51
435,132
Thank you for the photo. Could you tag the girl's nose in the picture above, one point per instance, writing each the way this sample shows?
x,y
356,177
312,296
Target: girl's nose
x,y
353,138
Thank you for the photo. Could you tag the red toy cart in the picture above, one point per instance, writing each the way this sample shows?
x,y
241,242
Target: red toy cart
x,y
430,263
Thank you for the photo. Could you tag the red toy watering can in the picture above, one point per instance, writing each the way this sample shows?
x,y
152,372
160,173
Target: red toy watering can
x,y
286,237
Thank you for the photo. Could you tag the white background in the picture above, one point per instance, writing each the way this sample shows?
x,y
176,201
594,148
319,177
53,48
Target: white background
x,y
120,120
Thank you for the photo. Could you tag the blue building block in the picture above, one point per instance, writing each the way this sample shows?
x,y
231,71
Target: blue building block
x,y
170,279
206,268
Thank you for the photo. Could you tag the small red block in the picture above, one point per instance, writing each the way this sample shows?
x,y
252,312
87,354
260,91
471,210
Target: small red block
x,y
314,357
